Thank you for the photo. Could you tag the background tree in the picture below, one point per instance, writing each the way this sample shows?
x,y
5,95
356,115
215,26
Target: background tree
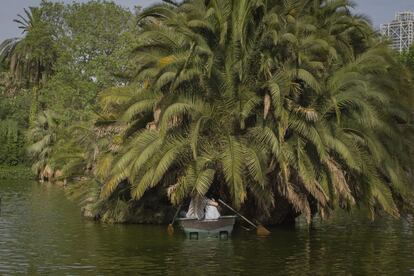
x,y
408,58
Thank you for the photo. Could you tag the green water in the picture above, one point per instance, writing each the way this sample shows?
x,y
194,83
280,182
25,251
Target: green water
x,y
42,233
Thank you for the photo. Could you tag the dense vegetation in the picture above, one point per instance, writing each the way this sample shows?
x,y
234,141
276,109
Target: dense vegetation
x,y
280,107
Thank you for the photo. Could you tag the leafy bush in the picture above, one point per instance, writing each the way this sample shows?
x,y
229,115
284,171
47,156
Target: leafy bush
x,y
12,143
16,172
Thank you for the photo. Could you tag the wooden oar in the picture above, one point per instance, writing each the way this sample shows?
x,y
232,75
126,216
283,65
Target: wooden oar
x,y
260,230
170,228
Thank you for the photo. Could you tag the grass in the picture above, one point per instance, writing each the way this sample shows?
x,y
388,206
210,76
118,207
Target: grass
x,y
15,172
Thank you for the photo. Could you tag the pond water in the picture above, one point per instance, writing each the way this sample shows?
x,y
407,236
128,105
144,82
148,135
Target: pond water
x,y
43,233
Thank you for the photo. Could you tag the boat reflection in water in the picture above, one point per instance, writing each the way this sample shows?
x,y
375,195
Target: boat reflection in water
x,y
202,257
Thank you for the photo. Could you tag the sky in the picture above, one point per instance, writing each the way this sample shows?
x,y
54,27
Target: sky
x,y
379,11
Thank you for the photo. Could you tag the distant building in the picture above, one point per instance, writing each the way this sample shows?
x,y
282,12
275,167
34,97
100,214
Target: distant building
x,y
400,31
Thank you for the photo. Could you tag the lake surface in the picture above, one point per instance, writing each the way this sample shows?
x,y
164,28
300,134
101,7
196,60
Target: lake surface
x,y
43,233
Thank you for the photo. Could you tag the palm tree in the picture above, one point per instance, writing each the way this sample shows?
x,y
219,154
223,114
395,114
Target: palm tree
x,y
42,136
262,100
29,58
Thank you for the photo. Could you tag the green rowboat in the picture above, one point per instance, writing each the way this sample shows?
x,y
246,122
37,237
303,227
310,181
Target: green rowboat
x,y
221,227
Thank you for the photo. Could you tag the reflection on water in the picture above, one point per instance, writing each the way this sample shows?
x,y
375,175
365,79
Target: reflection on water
x,y
41,232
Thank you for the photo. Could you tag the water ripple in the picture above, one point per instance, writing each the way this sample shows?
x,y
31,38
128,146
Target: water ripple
x,y
41,232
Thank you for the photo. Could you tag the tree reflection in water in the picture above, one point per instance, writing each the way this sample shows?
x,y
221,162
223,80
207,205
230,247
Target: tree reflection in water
x,y
41,232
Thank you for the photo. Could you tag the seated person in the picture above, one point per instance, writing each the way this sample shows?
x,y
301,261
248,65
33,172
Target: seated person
x,y
202,208
211,211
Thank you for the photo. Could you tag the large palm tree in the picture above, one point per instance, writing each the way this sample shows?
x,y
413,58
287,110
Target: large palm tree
x,y
263,100
30,57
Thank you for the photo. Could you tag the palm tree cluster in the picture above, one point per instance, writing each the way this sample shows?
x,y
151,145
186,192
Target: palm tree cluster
x,y
260,100
265,103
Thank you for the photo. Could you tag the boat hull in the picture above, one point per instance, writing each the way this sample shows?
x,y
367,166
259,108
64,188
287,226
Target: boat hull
x,y
213,227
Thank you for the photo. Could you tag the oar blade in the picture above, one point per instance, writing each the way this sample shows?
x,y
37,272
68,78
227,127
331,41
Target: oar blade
x,y
262,232
170,229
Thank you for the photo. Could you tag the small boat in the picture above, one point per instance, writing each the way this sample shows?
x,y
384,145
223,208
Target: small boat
x,y
221,227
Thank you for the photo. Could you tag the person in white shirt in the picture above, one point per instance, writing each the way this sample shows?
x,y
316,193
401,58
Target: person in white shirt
x,y
211,210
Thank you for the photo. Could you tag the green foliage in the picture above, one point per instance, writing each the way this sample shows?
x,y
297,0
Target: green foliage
x,y
408,58
30,58
42,137
13,124
292,99
76,55
15,172
256,100
12,143
91,56
15,107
